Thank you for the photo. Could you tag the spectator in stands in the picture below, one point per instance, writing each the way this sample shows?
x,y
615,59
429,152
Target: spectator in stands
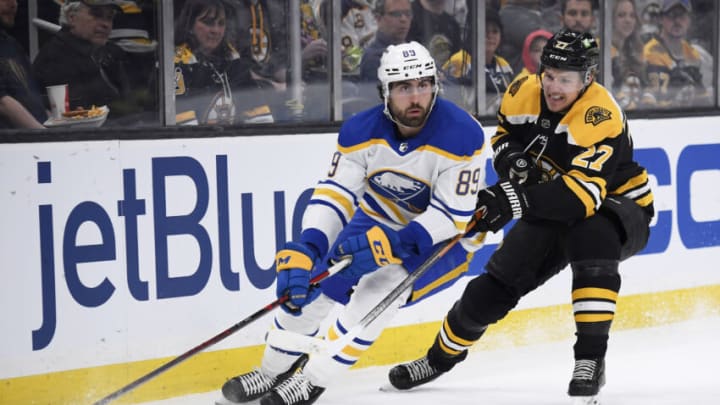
x,y
133,31
459,10
433,27
261,34
577,15
628,63
673,64
650,21
524,17
532,49
703,23
393,24
210,74
81,56
357,29
498,72
21,105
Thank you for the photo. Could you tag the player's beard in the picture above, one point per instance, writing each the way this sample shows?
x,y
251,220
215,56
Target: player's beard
x,y
411,121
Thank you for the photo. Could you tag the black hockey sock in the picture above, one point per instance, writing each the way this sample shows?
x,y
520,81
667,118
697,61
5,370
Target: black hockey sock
x,y
595,288
441,359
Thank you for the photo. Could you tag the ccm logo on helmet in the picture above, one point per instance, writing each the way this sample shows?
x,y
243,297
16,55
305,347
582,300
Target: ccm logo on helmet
x,y
419,65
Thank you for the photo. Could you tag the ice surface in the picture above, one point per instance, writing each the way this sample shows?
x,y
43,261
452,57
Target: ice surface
x,y
672,364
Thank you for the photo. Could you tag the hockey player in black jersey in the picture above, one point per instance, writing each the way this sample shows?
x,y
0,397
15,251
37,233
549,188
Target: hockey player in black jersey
x,y
564,157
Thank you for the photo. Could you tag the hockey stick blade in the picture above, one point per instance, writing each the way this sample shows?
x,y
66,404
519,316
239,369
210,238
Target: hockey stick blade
x,y
336,267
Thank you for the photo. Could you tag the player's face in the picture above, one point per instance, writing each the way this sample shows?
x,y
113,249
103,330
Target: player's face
x,y
209,30
410,100
578,15
561,88
93,24
8,9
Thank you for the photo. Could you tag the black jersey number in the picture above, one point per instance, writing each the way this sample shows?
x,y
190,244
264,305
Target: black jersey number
x,y
468,182
593,158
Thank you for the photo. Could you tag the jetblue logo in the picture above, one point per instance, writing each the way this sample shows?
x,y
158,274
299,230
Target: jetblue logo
x,y
132,210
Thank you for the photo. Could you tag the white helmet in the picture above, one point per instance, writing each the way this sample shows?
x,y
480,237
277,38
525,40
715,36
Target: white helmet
x,y
406,61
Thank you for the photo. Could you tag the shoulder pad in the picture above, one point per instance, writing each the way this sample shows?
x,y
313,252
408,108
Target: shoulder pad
x,y
594,117
523,103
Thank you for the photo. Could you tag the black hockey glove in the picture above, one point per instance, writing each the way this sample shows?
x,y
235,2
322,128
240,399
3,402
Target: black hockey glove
x,y
498,204
522,169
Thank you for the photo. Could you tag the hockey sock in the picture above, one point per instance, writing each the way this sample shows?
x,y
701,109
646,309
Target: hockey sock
x,y
457,334
596,284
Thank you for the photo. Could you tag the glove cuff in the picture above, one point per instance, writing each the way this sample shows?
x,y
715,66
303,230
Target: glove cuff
x,y
414,238
295,256
515,196
503,157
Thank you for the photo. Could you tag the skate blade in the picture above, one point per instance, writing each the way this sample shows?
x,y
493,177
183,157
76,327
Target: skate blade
x,y
589,400
389,388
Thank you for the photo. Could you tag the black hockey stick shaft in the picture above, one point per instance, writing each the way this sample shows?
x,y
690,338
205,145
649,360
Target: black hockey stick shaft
x,y
217,338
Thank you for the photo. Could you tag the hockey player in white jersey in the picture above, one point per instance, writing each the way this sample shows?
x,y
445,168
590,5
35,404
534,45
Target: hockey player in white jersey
x,y
404,177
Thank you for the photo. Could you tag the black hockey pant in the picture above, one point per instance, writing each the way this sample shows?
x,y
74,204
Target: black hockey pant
x,y
533,252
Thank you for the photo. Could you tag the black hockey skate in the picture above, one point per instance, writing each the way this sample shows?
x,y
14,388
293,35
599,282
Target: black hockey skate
x,y
296,390
249,386
587,379
410,375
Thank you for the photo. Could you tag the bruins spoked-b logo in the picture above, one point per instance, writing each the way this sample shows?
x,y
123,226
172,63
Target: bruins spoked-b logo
x,y
515,86
595,115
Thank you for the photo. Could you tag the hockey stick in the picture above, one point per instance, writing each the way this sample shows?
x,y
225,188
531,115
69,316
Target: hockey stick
x,y
220,336
404,285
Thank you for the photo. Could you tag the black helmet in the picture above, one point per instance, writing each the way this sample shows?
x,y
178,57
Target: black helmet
x,y
569,50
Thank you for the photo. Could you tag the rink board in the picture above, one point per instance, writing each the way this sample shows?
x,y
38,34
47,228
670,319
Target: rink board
x,y
120,255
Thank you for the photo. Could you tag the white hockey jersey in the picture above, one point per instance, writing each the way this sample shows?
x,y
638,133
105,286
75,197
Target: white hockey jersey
x,y
431,179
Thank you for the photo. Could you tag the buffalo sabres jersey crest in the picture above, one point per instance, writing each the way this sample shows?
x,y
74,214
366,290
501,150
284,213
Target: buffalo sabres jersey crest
x,y
431,178
585,153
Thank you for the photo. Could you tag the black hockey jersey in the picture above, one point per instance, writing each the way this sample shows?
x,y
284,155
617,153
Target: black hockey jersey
x,y
585,154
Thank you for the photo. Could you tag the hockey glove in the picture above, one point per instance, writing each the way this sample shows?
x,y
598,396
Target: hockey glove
x,y
522,169
294,264
498,204
377,247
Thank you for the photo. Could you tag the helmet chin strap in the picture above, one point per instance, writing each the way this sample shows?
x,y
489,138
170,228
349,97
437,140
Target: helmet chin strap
x,y
392,118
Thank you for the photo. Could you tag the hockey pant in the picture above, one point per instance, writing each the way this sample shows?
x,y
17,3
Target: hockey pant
x,y
322,367
533,252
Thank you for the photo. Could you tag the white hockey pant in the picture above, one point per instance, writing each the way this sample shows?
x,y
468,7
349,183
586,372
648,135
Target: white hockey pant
x,y
323,367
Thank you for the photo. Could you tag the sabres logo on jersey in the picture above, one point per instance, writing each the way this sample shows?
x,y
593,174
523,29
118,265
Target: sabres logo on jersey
x,y
595,115
515,86
408,193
